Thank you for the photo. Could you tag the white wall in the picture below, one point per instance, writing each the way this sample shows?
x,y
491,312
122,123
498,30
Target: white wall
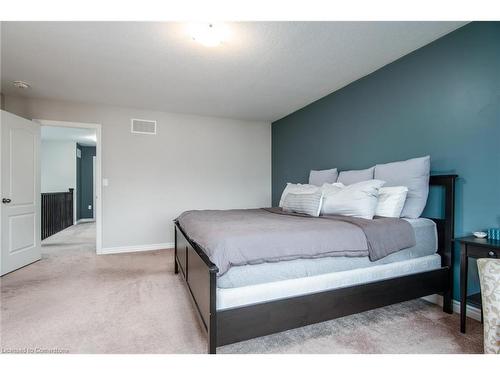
x,y
58,166
193,162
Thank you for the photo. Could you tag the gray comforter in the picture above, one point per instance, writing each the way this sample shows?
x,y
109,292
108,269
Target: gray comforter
x,y
239,237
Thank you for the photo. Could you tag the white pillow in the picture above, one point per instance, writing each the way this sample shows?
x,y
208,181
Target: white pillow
x,y
297,189
332,188
391,201
326,176
352,177
304,203
414,174
358,200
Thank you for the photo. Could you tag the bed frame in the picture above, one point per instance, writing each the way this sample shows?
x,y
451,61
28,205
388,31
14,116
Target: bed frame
x,y
242,323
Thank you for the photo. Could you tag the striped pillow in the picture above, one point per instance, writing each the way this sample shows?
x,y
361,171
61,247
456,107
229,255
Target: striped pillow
x,y
304,203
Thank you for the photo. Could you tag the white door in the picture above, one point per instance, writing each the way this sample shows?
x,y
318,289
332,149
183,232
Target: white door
x,y
20,192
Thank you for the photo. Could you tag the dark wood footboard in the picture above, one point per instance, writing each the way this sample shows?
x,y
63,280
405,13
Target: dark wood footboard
x,y
242,323
200,275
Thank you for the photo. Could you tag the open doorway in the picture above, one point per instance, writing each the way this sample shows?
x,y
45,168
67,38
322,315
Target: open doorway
x,y
70,171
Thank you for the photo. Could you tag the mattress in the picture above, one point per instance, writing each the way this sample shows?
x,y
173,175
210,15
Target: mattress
x,y
237,297
239,276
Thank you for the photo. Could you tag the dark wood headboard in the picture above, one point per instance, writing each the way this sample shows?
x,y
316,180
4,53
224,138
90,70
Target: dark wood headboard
x,y
446,224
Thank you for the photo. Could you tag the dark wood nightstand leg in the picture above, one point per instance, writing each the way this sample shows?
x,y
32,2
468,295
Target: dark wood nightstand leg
x,y
463,286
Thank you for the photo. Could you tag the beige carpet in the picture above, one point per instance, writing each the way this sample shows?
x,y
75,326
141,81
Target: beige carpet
x,y
73,300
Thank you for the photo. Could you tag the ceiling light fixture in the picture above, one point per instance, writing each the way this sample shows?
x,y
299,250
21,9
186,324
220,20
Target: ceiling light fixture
x,y
208,34
21,84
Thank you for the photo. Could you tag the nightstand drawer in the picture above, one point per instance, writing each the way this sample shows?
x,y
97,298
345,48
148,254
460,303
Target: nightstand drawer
x,y
482,252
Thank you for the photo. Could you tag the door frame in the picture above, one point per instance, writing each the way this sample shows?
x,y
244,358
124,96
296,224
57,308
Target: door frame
x,y
98,174
94,182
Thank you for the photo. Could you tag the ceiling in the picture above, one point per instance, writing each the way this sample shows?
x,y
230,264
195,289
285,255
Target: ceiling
x,y
264,71
85,137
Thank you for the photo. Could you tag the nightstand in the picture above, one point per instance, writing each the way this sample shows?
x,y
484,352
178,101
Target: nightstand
x,y
475,248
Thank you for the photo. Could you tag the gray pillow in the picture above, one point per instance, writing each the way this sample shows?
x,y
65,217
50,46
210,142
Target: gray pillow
x,y
307,203
319,178
353,177
412,173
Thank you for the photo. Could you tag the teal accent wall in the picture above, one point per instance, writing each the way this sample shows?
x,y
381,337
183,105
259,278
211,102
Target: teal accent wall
x,y
85,182
78,181
442,99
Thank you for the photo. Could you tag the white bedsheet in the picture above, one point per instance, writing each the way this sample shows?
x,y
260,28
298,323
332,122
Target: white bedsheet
x,y
246,295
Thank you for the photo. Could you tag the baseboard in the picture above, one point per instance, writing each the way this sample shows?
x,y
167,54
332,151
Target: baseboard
x,y
472,312
136,248
79,221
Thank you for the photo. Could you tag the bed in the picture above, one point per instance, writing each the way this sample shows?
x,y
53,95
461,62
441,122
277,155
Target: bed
x,y
240,298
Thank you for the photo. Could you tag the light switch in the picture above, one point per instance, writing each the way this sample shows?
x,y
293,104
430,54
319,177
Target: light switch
x,y
105,182
90,206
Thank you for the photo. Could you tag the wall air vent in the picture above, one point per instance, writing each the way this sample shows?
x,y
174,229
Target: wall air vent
x,y
140,126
